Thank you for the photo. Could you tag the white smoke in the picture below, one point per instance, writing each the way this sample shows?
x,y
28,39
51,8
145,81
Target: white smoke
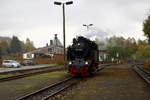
x,y
92,33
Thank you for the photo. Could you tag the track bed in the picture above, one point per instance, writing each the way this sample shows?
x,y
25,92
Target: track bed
x,y
112,83
10,90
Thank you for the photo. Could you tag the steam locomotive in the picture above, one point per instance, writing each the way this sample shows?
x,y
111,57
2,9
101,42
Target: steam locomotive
x,y
83,57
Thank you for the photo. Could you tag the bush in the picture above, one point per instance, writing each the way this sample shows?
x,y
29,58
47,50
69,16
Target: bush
x,y
143,51
147,64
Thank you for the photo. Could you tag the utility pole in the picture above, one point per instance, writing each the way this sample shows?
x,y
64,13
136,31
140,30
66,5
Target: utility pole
x,y
64,32
64,27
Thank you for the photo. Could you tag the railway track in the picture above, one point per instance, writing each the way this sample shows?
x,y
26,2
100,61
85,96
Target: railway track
x,y
49,91
142,73
28,74
53,89
102,66
13,77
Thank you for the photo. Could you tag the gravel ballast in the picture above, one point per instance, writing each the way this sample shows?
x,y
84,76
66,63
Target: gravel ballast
x,y
113,83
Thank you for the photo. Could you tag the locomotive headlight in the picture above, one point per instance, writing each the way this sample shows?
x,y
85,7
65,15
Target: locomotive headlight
x,y
86,62
70,62
78,44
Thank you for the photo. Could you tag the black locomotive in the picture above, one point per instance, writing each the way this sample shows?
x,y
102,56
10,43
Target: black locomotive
x,y
82,56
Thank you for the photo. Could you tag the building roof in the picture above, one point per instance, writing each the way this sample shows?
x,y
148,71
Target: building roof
x,y
4,38
44,49
56,41
54,44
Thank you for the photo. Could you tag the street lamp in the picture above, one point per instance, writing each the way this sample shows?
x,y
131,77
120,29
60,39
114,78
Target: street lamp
x,y
64,37
87,26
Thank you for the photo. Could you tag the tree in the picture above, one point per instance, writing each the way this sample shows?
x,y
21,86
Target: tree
x,y
146,28
142,42
143,51
4,48
0,52
99,43
15,45
118,46
22,46
29,46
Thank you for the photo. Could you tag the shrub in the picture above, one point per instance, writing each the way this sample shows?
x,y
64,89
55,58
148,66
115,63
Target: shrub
x,y
147,64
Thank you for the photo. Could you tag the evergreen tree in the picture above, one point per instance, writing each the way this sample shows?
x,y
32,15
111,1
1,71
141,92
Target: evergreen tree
x,y
15,45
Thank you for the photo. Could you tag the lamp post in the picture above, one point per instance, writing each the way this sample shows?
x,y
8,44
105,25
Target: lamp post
x,y
87,26
64,30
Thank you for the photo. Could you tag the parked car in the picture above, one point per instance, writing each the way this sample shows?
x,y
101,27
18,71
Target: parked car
x,y
28,62
11,63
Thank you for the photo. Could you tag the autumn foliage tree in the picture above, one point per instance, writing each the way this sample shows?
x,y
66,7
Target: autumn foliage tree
x,y
146,28
121,47
143,51
4,48
29,46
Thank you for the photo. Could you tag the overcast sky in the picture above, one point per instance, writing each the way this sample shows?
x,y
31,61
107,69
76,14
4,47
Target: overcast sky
x,y
39,20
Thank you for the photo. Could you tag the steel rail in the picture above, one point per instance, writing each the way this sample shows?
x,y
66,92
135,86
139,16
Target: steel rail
x,y
142,73
56,92
49,91
102,66
41,72
28,74
53,89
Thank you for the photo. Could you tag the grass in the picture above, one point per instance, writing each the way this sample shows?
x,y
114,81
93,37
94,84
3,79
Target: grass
x,y
20,73
57,63
48,75
33,81
6,75
27,86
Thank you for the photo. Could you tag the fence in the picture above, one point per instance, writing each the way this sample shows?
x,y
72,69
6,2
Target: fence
x,y
57,59
1,62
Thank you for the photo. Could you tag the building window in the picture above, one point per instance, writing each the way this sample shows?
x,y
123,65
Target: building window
x,y
50,50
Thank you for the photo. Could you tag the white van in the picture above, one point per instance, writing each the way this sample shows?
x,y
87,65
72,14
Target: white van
x,y
11,63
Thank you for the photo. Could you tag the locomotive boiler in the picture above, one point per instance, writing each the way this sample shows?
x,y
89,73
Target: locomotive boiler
x,y
82,56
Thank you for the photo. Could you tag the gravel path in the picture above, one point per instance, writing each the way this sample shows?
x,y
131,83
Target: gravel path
x,y
113,83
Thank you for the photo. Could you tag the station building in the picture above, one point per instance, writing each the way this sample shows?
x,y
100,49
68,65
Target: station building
x,y
52,50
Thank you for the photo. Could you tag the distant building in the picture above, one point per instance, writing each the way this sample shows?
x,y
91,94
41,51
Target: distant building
x,y
7,39
102,53
49,51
